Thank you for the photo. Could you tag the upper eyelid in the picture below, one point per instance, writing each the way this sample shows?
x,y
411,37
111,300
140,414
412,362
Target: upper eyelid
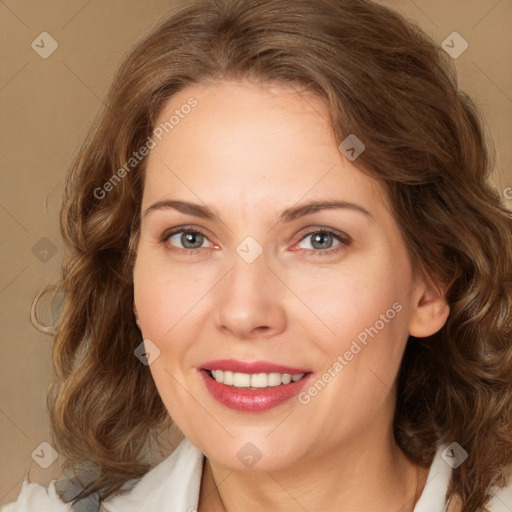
x,y
304,233
183,229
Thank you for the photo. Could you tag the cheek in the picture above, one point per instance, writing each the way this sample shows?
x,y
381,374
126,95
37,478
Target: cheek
x,y
369,298
366,312
162,301
360,361
163,296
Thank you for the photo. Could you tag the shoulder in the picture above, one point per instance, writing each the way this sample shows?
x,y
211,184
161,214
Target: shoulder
x,y
501,500
174,484
433,498
37,498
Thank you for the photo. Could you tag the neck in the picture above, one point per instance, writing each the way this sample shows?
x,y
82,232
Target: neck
x,y
370,473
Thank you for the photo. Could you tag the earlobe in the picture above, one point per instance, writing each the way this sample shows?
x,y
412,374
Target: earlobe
x,y
136,315
430,311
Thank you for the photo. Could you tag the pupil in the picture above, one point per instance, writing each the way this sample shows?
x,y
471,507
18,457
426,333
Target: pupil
x,y
321,238
190,237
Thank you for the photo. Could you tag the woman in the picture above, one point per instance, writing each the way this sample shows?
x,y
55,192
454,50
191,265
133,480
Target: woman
x,y
282,237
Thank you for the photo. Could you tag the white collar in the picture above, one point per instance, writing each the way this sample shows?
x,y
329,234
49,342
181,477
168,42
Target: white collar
x,y
432,498
174,484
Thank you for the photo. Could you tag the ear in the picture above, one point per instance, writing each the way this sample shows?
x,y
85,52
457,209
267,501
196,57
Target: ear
x,y
430,309
136,316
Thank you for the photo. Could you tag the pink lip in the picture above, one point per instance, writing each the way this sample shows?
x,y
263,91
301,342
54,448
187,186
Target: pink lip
x,y
233,365
252,400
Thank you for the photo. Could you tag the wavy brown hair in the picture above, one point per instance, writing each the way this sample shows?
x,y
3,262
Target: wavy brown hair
x,y
384,80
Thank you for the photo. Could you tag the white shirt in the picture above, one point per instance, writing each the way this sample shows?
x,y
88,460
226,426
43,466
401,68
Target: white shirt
x,y
174,485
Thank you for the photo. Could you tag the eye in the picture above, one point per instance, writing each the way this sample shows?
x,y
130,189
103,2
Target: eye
x,y
322,241
191,240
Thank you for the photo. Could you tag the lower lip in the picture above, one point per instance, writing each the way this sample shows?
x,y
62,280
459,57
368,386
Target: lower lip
x,y
252,400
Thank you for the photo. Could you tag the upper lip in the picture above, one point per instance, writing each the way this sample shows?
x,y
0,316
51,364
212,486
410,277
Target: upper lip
x,y
234,365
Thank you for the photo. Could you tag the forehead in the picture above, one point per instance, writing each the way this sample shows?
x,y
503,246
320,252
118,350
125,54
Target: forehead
x,y
260,144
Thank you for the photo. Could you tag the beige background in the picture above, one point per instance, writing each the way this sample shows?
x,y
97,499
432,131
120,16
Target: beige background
x,y
46,107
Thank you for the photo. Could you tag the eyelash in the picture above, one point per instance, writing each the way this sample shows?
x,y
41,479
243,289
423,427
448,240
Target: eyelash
x,y
344,240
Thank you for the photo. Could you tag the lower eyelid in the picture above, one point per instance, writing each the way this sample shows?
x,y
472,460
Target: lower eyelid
x,y
167,237
343,240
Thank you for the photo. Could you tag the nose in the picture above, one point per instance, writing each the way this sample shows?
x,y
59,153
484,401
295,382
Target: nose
x,y
250,304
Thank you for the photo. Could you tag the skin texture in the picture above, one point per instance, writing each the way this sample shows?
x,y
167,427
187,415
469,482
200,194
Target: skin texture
x,y
248,152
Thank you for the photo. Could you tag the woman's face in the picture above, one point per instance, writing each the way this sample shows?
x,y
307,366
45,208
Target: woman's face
x,y
328,292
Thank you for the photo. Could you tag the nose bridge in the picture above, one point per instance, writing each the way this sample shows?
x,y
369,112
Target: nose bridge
x,y
250,299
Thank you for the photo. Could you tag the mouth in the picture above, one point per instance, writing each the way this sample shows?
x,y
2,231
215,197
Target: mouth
x,y
253,381
249,390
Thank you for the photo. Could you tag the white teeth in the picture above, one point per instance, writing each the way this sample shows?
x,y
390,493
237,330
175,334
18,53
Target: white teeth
x,y
259,380
241,380
273,379
254,380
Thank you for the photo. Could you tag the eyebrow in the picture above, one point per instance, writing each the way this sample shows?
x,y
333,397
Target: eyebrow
x,y
287,215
